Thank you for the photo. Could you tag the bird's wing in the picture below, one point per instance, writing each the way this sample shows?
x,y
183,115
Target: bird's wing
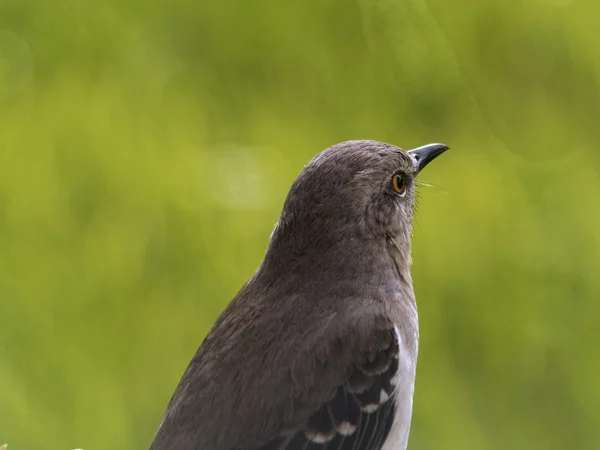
x,y
336,386
359,414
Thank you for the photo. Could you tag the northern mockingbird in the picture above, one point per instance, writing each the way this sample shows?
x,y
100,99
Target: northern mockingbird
x,y
318,349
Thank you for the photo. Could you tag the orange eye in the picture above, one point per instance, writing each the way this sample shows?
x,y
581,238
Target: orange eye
x,y
399,183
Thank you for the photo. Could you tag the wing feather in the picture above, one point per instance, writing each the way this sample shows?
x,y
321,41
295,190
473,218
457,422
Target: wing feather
x,y
360,414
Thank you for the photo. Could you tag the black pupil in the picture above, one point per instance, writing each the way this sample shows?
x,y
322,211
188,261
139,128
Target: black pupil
x,y
399,182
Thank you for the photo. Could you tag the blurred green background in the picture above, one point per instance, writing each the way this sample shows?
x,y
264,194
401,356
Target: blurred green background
x,y
146,149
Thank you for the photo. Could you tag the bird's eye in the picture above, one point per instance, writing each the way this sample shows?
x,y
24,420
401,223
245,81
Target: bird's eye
x,y
399,183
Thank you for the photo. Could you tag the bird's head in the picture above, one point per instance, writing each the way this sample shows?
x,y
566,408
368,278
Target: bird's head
x,y
355,189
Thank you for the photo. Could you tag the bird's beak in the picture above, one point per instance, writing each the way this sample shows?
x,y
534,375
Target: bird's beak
x,y
427,153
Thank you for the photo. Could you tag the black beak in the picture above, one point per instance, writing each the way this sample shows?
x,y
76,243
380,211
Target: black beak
x,y
424,155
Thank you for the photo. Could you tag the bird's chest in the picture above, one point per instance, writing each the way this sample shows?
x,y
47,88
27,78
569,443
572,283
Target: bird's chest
x,y
397,438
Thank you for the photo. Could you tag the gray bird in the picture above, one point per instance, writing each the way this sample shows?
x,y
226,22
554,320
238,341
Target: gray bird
x,y
318,350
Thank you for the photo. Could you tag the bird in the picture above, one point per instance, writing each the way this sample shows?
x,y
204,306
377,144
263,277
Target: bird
x,y
318,349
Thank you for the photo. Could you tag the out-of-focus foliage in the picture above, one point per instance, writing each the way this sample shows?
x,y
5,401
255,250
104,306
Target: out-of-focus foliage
x,y
146,148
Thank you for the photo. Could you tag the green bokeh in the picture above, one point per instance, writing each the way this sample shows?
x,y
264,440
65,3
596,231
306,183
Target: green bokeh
x,y
146,149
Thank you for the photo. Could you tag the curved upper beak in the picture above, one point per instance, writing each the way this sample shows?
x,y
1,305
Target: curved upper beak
x,y
427,153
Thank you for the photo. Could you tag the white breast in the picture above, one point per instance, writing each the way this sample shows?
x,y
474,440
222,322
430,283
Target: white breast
x,y
403,395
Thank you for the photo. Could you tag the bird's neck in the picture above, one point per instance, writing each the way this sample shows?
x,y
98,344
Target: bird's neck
x,y
371,264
